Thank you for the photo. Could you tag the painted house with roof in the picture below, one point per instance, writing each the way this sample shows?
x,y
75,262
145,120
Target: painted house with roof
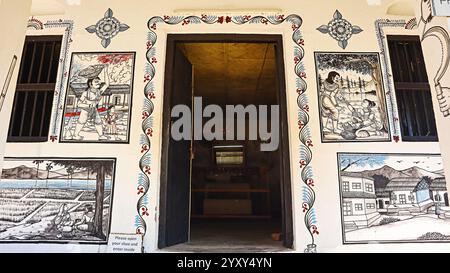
x,y
359,202
438,189
409,194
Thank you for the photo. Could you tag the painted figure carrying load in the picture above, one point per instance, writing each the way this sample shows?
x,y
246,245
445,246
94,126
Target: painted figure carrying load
x,y
90,98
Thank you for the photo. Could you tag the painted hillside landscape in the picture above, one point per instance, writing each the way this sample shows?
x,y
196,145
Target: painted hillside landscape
x,y
393,198
56,199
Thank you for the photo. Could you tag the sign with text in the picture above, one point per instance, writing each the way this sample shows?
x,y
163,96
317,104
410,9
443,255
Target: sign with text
x,y
441,7
125,243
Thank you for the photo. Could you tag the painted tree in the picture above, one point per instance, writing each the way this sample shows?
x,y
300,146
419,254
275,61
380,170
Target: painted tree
x,y
37,162
363,64
48,167
360,87
380,181
360,160
348,84
102,169
70,171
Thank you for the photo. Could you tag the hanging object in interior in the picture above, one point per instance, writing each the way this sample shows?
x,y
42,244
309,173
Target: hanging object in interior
x,y
107,28
340,29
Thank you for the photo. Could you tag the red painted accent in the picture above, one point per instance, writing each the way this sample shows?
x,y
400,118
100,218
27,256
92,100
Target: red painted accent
x,y
302,163
305,207
144,148
74,114
114,58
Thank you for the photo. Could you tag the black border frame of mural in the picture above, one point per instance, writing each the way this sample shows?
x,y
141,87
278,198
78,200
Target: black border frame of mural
x,y
59,242
318,99
368,242
60,139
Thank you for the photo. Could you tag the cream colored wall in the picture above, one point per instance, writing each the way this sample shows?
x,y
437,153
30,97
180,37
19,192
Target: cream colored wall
x,y
10,46
314,13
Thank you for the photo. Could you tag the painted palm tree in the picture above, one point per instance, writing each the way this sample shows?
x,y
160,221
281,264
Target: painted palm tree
x,y
48,167
70,171
37,162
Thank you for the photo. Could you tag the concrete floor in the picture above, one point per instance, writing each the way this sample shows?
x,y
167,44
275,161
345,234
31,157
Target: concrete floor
x,y
231,235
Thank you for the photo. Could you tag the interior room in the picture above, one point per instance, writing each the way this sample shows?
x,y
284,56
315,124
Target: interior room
x,y
235,187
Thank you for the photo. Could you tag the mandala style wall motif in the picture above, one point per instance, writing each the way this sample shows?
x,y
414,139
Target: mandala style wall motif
x,y
340,29
107,28
303,118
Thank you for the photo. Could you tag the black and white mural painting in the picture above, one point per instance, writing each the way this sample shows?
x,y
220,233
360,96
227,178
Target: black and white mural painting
x,y
352,102
98,100
393,198
56,199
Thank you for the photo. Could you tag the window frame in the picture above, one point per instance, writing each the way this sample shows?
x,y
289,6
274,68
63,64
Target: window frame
x,y
359,207
368,187
29,88
402,88
345,186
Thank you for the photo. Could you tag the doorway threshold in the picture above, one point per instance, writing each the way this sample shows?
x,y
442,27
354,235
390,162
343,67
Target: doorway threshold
x,y
199,247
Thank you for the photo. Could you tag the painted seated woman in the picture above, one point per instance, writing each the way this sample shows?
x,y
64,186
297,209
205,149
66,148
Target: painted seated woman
x,y
364,121
63,221
86,223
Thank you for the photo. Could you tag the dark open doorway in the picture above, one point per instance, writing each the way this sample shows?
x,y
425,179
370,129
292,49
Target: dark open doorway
x,y
224,187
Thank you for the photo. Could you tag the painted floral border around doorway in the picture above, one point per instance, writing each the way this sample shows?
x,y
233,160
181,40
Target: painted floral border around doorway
x,y
303,118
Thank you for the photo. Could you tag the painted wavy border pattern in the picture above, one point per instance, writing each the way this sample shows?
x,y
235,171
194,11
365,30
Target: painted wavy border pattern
x,y
296,21
387,75
58,100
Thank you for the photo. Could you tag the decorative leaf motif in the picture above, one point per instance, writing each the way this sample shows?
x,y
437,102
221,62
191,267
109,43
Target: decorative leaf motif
x,y
323,28
106,42
109,13
91,29
107,28
337,15
343,44
356,30
123,27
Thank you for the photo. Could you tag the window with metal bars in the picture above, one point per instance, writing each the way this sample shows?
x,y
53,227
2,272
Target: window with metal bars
x,y
33,100
412,89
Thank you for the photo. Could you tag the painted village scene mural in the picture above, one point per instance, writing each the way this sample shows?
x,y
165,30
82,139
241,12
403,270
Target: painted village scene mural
x,y
97,106
56,199
393,198
352,104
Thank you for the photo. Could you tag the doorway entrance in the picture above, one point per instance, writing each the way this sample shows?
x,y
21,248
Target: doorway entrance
x,y
225,192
